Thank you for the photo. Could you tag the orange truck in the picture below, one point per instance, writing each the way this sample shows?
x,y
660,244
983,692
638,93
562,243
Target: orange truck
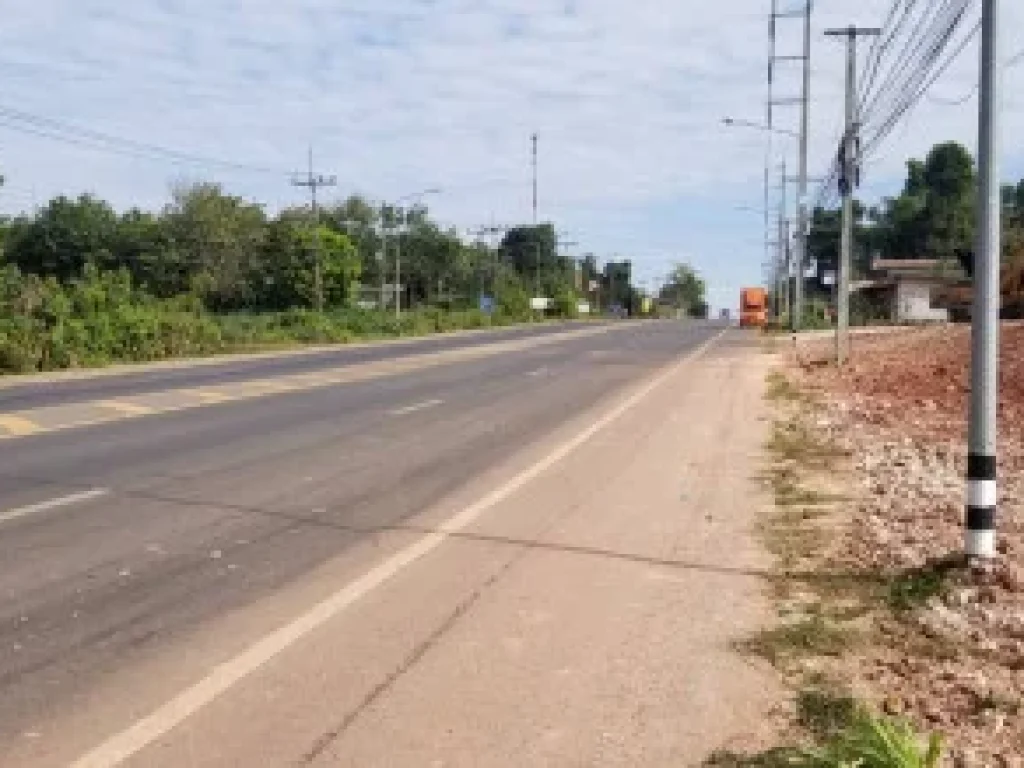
x,y
753,308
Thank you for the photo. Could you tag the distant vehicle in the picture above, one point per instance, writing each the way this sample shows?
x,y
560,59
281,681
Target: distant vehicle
x,y
753,308
724,315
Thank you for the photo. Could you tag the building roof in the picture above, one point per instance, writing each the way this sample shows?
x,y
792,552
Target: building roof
x,y
925,270
905,265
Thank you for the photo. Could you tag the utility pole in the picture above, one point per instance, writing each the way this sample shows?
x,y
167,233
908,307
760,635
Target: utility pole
x,y
804,102
314,182
982,491
801,243
383,254
782,257
533,156
849,178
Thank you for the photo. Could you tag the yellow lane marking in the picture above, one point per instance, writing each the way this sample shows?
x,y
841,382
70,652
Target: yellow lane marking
x,y
14,425
18,425
127,408
209,395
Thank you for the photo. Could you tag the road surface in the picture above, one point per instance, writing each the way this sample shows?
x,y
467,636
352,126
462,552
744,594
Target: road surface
x,y
270,562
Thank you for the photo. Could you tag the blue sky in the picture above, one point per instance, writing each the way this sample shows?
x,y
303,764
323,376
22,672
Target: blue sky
x,y
399,95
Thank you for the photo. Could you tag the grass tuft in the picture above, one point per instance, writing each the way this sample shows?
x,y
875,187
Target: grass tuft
x,y
810,637
914,587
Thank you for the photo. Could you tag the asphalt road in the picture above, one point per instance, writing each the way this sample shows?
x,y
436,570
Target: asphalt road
x,y
178,518
21,392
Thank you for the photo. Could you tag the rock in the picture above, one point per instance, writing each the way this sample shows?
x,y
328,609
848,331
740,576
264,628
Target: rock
x,y
961,598
988,595
1010,577
966,758
893,706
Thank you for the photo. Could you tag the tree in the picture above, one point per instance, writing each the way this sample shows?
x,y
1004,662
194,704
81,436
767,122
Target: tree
x,y
933,217
63,237
684,289
217,239
949,208
617,284
533,253
285,277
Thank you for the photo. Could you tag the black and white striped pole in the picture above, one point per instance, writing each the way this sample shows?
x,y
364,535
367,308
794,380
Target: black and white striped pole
x,y
982,496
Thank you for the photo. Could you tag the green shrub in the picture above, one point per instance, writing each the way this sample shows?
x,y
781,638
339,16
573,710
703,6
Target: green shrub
x,y
102,318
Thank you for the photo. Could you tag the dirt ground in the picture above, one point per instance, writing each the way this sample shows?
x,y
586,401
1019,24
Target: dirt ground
x,y
946,650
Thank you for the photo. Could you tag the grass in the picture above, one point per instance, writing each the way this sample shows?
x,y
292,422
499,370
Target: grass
x,y
824,713
836,731
913,588
781,389
792,441
812,636
858,738
781,757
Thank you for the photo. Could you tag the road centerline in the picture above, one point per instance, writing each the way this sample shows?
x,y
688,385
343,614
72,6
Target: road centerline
x,y
406,410
61,501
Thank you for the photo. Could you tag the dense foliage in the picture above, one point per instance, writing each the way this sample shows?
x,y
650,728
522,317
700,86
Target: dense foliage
x,y
82,284
933,216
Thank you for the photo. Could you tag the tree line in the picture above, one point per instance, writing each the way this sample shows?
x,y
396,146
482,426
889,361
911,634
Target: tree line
x,y
83,284
232,256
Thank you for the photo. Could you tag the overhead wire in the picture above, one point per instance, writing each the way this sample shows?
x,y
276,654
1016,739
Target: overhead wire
x,y
917,45
1011,62
76,135
914,97
922,47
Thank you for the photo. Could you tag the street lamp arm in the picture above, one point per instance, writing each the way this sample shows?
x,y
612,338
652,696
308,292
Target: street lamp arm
x,y
734,123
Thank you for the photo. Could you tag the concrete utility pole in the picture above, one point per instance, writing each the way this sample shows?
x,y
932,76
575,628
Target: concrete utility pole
x,y
805,109
849,178
782,258
383,255
804,101
533,159
982,495
314,182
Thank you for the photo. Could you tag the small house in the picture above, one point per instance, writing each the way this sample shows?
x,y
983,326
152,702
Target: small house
x,y
906,289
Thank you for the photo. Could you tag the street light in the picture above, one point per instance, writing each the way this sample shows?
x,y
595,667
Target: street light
x,y
734,123
415,198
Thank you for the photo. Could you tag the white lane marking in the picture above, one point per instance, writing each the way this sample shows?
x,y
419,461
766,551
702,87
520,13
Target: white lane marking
x,y
43,506
129,742
539,372
416,407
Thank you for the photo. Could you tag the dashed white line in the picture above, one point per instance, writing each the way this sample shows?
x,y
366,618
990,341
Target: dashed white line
x,y
416,407
43,506
538,372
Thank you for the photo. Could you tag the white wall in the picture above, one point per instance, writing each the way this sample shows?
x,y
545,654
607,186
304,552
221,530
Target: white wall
x,y
914,304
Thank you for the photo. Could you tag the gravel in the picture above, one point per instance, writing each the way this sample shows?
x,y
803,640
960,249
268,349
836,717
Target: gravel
x,y
956,662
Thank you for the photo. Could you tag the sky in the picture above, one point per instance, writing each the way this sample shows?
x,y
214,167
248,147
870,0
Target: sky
x,y
396,96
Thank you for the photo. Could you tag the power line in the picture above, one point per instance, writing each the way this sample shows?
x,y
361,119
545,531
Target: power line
x,y
75,135
1011,62
915,97
917,46
921,50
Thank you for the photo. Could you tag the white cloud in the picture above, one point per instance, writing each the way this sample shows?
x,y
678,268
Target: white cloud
x,y
397,95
